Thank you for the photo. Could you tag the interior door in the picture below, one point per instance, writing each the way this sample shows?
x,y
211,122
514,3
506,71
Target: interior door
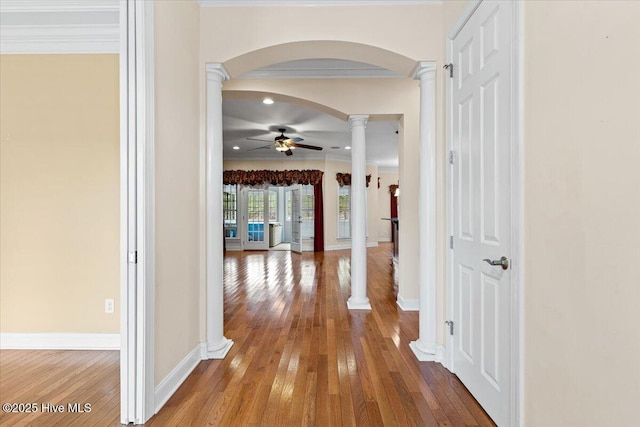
x,y
256,219
296,218
481,115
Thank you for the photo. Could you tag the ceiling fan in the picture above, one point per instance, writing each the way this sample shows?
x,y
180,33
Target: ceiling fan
x,y
285,144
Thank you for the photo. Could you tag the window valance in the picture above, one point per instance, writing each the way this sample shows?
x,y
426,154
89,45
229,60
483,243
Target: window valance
x,y
345,179
286,177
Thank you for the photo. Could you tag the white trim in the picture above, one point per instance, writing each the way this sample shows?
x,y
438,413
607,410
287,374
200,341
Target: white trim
x,y
384,239
347,246
137,106
25,6
49,39
407,304
296,3
58,341
321,73
168,386
517,207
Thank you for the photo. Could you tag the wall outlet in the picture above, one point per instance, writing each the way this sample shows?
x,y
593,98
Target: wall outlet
x,y
109,306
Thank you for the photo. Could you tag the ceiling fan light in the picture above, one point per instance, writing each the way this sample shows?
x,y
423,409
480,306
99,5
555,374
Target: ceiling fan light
x,y
236,147
267,101
347,148
282,148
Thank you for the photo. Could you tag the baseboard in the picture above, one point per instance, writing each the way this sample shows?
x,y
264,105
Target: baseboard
x,y
406,304
176,377
384,239
58,341
441,356
347,246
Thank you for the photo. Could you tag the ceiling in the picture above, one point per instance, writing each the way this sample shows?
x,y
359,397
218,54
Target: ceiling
x,y
251,118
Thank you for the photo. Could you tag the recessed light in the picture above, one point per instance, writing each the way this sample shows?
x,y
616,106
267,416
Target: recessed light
x,y
347,148
236,147
267,101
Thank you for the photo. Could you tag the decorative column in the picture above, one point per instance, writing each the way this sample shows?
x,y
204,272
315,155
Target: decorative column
x,y
425,346
358,299
217,344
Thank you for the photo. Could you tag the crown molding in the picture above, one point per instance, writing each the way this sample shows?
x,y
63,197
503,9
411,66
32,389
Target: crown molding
x,y
30,6
388,169
46,39
317,3
320,73
59,26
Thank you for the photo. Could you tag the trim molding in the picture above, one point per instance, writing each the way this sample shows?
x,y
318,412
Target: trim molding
x,y
347,246
32,39
406,304
178,374
384,239
58,341
297,3
24,6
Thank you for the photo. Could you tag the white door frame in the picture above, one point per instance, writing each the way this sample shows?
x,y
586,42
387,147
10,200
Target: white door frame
x,y
517,208
137,223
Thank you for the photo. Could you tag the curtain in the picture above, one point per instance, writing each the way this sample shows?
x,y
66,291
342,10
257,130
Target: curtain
x,y
259,177
345,179
318,218
394,209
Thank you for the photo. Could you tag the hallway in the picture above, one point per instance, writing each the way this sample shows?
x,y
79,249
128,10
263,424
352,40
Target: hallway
x,y
300,358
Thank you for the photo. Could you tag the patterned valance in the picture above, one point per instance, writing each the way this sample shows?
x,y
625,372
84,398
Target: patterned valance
x,y
304,177
393,188
345,179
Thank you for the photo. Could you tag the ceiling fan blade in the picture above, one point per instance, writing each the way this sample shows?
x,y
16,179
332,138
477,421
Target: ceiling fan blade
x,y
264,147
256,139
288,152
296,139
310,147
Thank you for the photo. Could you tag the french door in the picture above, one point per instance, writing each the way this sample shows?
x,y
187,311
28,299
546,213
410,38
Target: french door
x,y
481,206
296,218
256,219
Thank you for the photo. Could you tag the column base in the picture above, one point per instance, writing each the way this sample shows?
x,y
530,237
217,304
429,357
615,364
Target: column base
x,y
362,304
423,354
220,350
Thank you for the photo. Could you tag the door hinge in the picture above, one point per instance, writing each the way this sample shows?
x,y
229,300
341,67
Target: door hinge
x,y
133,257
450,68
452,157
450,242
450,324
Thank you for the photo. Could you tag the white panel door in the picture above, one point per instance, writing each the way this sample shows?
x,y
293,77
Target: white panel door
x,y
256,219
296,218
481,115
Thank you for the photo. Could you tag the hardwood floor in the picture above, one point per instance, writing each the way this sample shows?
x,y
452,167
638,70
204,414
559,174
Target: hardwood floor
x,y
301,358
60,377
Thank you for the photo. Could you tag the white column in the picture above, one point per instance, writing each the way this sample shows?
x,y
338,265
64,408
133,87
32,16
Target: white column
x,y
358,299
217,344
425,346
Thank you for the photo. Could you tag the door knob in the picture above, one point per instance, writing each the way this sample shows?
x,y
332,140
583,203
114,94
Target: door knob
x,y
504,262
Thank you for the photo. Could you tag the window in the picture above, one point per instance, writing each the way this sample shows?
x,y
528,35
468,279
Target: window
x,y
230,210
344,212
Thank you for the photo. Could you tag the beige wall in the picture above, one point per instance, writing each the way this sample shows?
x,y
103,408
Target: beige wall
x,y
177,183
384,204
329,191
59,196
582,213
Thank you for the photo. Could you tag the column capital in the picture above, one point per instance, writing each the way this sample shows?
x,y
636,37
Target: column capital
x,y
358,120
424,70
217,71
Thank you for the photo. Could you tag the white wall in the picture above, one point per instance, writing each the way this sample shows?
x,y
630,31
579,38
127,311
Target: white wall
x,y
177,182
582,213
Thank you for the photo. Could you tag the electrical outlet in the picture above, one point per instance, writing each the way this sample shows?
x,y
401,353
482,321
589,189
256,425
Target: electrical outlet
x,y
109,306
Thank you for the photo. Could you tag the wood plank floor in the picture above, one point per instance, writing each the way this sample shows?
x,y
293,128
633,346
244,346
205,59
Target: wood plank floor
x,y
61,377
301,358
